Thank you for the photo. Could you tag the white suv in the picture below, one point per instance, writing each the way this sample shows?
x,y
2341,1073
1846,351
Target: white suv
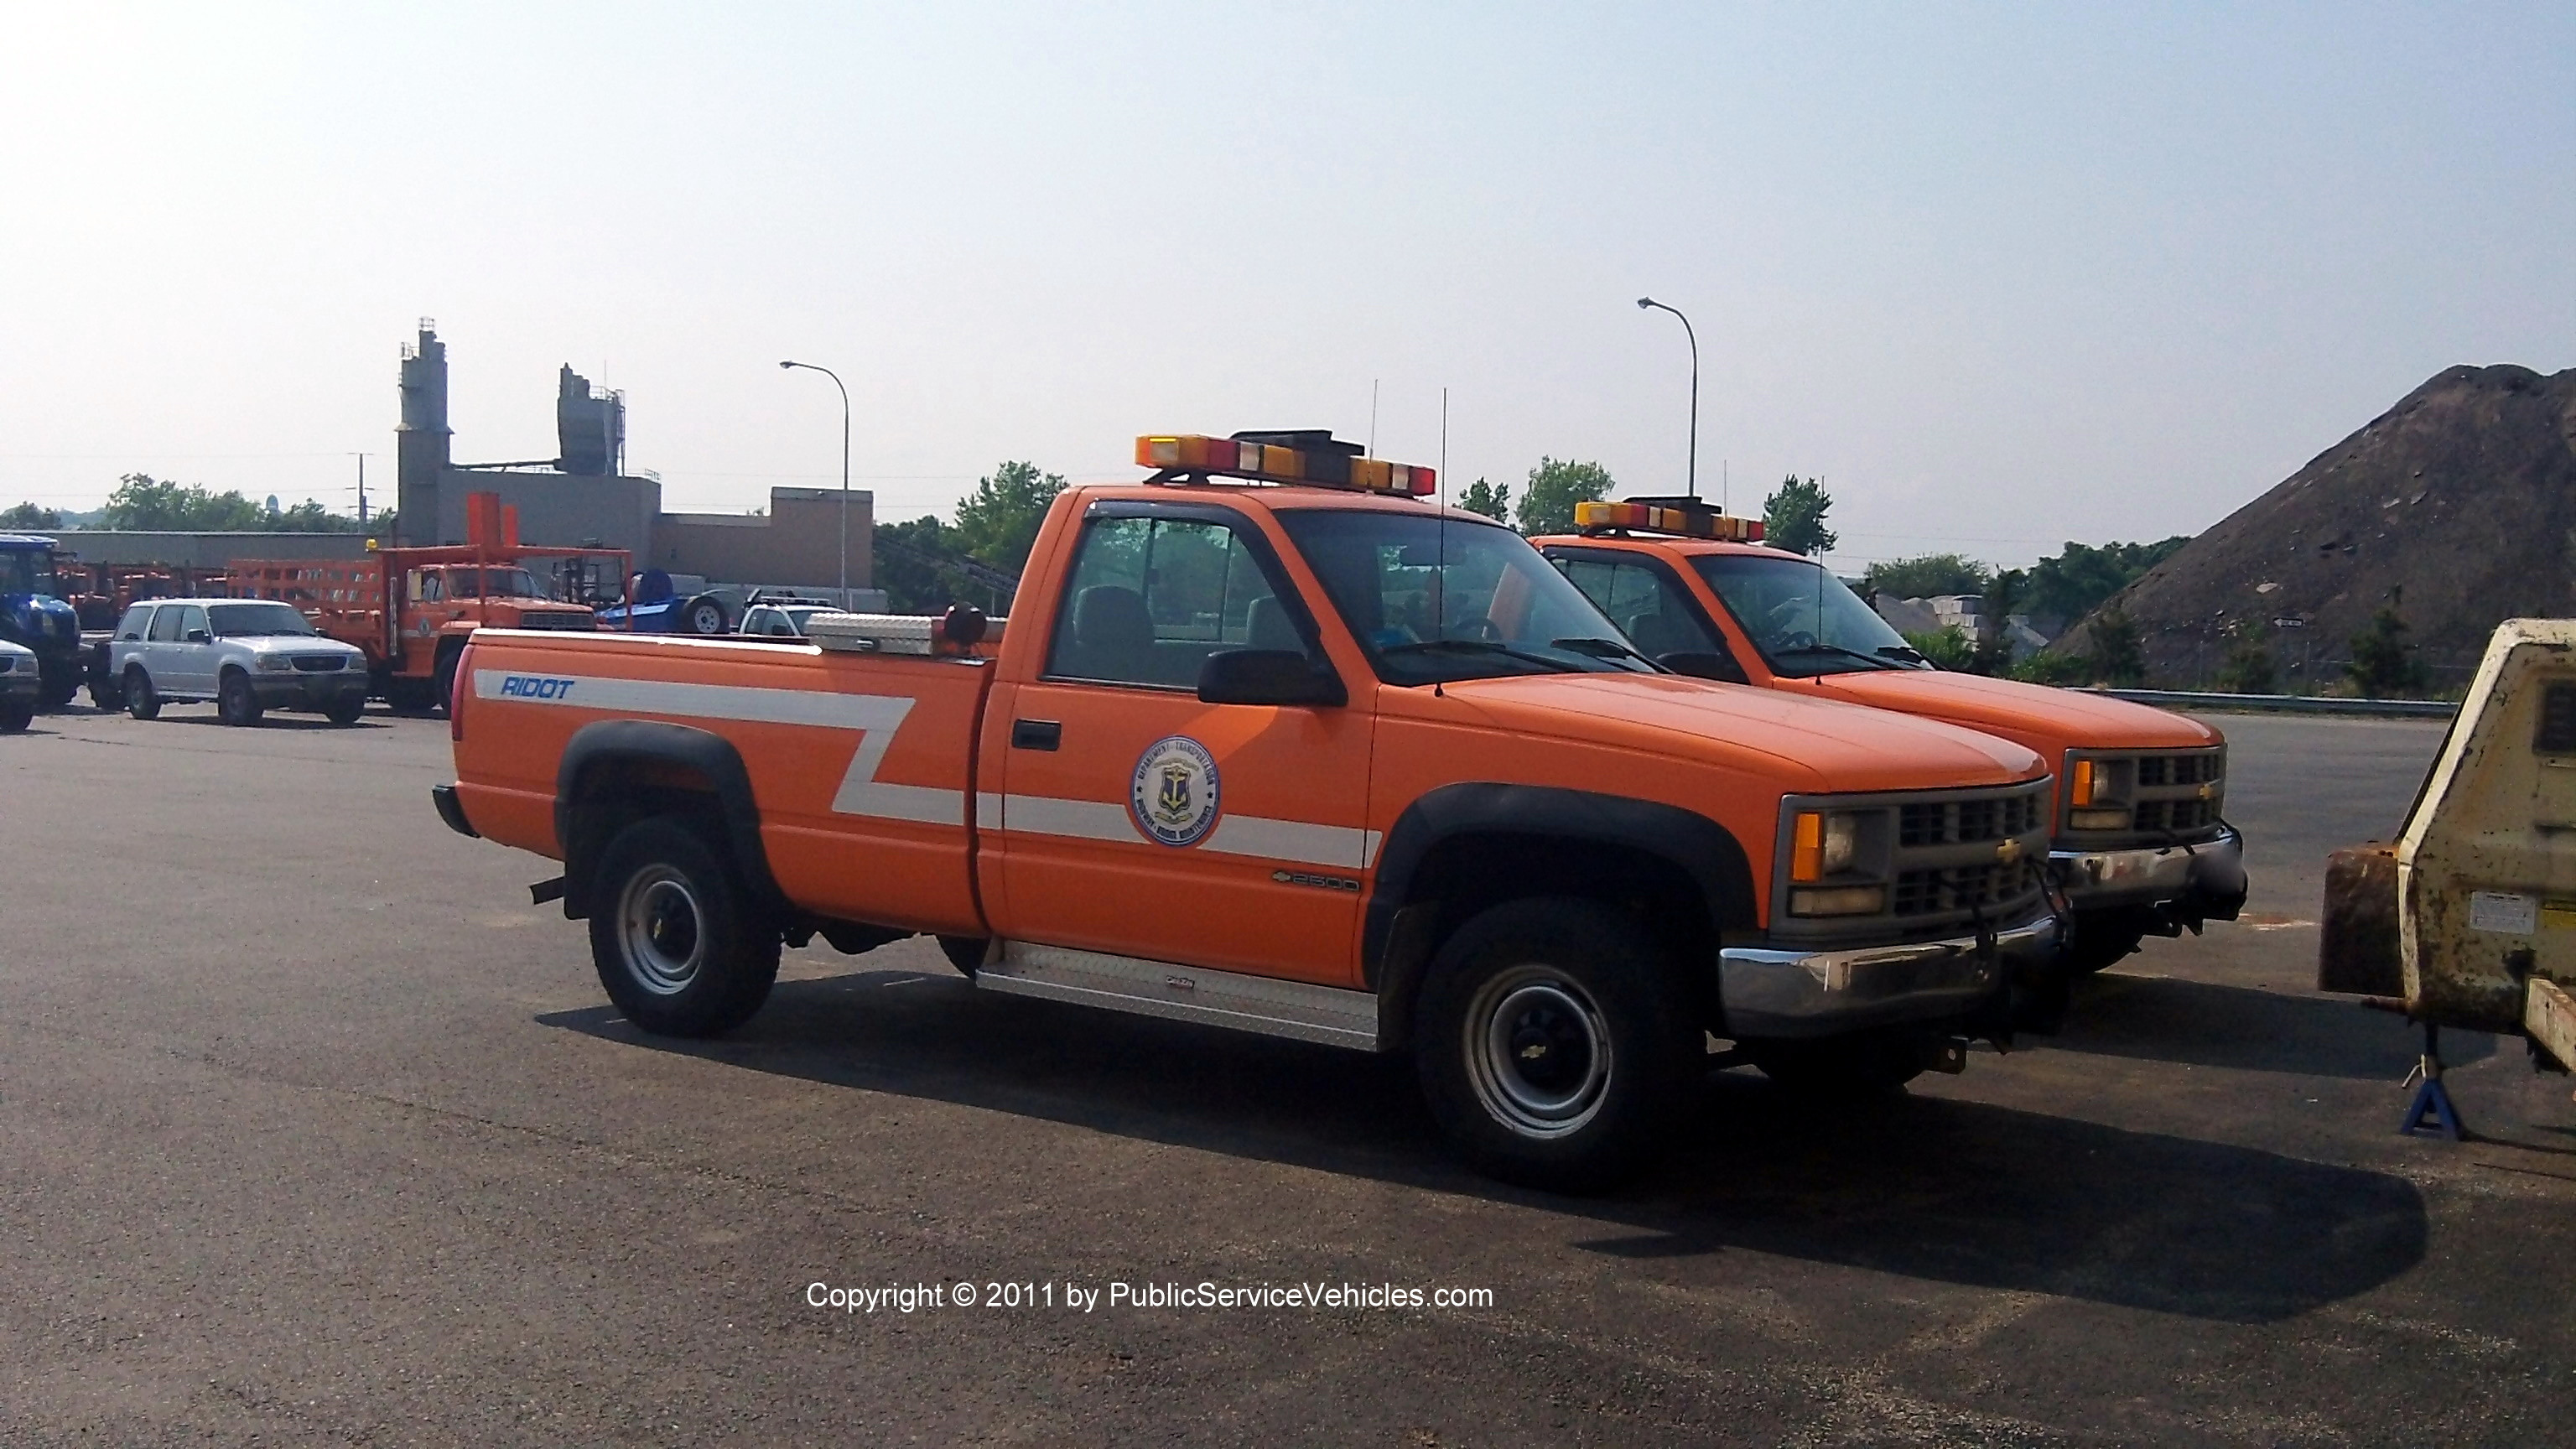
x,y
247,655
20,684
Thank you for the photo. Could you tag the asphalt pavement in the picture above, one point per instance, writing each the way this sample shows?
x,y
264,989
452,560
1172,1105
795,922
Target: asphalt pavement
x,y
314,1131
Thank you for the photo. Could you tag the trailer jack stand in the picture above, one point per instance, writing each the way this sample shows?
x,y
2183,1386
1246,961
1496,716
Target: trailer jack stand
x,y
2432,1099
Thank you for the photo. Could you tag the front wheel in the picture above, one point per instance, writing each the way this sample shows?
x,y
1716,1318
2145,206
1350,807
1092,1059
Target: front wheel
x,y
672,936
57,685
141,700
1556,1044
346,709
16,717
703,616
235,704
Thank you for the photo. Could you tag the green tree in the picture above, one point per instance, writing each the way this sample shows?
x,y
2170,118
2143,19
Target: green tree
x,y
916,565
1927,576
2002,595
1948,647
2074,583
2381,667
31,515
1554,487
144,502
1793,517
1483,497
2046,667
2119,656
2248,668
998,522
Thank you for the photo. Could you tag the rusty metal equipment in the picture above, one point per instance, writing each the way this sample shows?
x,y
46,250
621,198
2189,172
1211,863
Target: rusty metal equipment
x,y
2468,918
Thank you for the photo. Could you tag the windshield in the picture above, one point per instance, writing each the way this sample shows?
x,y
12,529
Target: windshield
x,y
244,621
1496,608
497,583
1801,618
27,571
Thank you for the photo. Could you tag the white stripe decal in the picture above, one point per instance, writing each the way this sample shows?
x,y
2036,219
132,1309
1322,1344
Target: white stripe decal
x,y
875,716
988,810
1291,840
1072,819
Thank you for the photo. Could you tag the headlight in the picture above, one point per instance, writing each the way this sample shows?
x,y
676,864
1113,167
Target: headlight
x,y
1827,842
275,663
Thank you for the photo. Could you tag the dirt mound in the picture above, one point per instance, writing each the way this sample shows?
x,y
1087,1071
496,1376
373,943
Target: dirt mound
x,y
2462,496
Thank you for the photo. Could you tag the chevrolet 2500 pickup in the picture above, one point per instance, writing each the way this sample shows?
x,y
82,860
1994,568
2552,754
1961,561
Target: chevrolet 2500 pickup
x,y
1270,743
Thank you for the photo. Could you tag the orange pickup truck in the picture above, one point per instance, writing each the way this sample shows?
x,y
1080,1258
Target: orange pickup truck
x,y
2136,840
1270,743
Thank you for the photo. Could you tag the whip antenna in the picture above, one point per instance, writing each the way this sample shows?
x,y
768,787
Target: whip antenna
x,y
1440,575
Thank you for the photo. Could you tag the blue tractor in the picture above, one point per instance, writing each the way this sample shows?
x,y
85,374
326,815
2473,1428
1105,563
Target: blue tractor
x,y
34,613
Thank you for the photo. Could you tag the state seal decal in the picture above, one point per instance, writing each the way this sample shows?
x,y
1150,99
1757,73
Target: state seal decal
x,y
1173,796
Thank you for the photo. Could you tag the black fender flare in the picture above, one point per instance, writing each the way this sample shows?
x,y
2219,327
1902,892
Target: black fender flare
x,y
1699,847
710,755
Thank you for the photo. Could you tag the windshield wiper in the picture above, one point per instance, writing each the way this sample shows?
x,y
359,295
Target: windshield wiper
x,y
1902,651
1872,660
1485,646
1603,649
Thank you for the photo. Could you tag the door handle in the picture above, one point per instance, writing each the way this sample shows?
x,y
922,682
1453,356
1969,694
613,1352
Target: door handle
x,y
1036,734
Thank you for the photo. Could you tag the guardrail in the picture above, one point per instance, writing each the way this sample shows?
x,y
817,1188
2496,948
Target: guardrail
x,y
2288,703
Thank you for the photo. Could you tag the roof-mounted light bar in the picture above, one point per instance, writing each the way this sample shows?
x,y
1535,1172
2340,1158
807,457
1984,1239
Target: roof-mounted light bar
x,y
1679,517
1322,461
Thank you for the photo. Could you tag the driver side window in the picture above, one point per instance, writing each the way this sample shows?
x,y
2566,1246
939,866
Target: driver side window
x,y
1647,605
1151,598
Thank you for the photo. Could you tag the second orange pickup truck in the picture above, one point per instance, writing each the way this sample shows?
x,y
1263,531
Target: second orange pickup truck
x,y
1270,743
2136,838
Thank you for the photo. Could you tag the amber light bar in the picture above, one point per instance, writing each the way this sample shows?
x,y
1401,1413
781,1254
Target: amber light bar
x,y
1677,517
1271,463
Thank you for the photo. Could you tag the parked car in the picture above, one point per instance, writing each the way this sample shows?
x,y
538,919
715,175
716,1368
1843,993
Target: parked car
x,y
21,685
780,621
247,655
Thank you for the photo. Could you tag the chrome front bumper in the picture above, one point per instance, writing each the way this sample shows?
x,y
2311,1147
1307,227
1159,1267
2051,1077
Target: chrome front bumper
x,y
2212,872
311,690
16,687
1794,993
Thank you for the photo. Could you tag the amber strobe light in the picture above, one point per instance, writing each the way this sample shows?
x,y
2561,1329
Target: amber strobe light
x,y
1679,517
1271,463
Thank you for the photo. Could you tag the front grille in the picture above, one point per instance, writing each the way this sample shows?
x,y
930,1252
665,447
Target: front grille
x,y
319,663
1967,822
1940,891
2176,815
555,619
2156,771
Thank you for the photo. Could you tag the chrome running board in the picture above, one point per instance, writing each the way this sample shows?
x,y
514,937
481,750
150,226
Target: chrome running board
x,y
1260,1004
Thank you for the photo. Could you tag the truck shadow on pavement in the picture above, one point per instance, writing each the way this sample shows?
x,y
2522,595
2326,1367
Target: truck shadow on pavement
x,y
1918,1186
2206,1024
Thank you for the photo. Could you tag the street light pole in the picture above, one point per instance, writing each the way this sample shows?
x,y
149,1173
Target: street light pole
x,y
1645,302
845,470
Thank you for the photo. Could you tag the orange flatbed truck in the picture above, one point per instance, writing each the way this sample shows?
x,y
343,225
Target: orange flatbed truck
x,y
2136,838
1270,743
412,609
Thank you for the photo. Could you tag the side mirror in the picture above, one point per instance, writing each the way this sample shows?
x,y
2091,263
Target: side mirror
x,y
200,636
1268,676
1698,665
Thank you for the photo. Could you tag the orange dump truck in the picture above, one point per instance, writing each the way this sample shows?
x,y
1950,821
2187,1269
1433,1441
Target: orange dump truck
x,y
412,609
2136,839
1269,743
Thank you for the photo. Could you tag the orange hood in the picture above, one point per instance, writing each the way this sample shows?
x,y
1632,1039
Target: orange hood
x,y
1818,744
2051,721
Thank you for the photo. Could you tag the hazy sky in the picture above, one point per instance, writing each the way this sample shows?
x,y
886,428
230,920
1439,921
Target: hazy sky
x,y
2000,276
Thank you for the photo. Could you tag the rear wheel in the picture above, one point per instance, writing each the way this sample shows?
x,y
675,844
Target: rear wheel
x,y
141,700
16,717
442,681
703,616
672,936
235,704
1556,1043
58,682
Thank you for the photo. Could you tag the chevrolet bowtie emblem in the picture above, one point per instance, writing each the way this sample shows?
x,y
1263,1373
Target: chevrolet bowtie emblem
x,y
2008,852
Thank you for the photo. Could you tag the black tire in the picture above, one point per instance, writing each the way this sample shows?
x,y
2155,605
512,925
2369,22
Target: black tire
x,y
16,717
346,709
704,615
409,696
442,682
966,953
57,684
141,700
235,703
672,934
1845,1069
2102,939
1556,1044
105,696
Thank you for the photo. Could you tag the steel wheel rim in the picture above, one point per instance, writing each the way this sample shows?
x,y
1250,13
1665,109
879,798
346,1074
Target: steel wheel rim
x,y
663,930
1538,1052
